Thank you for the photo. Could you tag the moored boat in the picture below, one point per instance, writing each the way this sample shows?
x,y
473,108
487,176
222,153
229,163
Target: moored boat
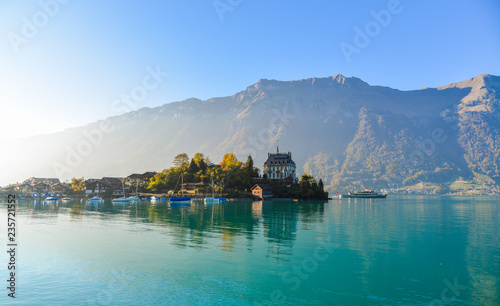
x,y
95,199
121,200
365,194
180,200
211,200
51,199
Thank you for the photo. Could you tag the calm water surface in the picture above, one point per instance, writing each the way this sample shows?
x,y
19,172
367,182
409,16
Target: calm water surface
x,y
405,250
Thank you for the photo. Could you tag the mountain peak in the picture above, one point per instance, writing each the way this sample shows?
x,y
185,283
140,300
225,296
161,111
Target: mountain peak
x,y
487,81
339,78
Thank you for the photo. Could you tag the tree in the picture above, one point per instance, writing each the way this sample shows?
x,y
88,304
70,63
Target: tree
x,y
181,160
321,185
202,165
230,162
193,167
198,157
249,165
78,184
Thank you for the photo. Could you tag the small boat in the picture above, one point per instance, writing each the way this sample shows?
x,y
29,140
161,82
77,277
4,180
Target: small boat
x,y
211,200
121,200
95,199
51,199
153,199
366,194
66,199
135,198
180,200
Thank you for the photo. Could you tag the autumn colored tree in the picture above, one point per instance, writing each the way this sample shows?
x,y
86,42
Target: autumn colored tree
x,y
78,184
230,162
181,161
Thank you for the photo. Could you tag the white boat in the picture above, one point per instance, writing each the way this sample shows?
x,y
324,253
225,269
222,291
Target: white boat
x,y
95,199
121,200
135,198
366,194
212,199
153,199
51,199
66,199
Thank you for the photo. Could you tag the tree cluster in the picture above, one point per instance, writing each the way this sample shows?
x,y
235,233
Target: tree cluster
x,y
230,176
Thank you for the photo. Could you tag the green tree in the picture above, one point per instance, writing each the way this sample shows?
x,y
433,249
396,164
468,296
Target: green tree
x,y
193,167
199,159
305,185
202,165
249,165
321,186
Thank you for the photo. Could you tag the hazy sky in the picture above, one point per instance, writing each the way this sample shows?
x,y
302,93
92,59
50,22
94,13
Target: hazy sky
x,y
68,63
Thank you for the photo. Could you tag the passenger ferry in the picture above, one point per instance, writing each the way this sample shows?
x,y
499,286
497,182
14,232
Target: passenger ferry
x,y
366,194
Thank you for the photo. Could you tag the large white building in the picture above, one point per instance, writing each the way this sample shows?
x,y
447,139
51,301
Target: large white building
x,y
280,166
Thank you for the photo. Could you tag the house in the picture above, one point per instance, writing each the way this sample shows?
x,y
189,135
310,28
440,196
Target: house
x,y
136,177
11,187
60,187
280,166
147,176
191,188
97,186
35,180
113,181
40,188
262,191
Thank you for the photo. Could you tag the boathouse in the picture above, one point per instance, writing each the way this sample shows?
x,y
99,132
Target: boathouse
x,y
262,191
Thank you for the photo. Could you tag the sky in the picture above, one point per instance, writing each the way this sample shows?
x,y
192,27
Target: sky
x,y
68,63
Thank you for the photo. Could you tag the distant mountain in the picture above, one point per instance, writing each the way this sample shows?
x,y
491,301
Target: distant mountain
x,y
338,128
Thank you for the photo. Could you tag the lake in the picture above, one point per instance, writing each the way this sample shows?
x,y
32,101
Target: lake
x,y
404,250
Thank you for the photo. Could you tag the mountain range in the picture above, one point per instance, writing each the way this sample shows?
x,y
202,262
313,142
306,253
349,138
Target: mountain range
x,y
340,129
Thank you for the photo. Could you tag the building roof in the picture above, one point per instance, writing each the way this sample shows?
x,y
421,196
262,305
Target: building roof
x,y
279,158
36,180
135,175
112,180
263,186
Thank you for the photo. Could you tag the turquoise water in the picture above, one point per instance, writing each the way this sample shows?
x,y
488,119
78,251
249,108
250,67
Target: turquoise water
x,y
405,250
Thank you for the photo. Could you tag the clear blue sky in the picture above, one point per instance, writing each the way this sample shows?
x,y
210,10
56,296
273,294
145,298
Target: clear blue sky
x,y
89,53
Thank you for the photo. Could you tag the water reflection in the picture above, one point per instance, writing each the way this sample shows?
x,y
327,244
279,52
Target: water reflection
x,y
277,221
